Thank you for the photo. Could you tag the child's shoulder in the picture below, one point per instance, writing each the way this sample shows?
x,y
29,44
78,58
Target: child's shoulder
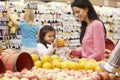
x,y
40,44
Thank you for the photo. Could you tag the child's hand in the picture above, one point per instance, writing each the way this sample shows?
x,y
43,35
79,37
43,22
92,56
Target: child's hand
x,y
54,43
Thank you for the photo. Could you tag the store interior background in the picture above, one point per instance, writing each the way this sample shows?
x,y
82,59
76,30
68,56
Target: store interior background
x,y
57,13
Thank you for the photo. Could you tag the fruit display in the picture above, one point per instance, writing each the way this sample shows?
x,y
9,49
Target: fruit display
x,y
55,68
54,61
56,74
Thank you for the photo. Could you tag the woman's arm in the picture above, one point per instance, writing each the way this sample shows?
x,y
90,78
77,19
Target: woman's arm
x,y
15,22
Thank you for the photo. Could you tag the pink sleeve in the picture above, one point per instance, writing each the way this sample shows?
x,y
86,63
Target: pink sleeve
x,y
99,41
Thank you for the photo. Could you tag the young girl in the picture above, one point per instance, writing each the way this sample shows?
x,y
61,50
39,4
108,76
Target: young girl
x,y
49,45
47,42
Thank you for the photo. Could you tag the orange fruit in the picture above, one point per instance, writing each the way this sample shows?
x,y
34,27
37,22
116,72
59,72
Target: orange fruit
x,y
34,57
47,65
38,64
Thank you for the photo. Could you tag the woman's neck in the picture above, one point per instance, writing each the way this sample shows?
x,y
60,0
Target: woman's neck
x,y
89,22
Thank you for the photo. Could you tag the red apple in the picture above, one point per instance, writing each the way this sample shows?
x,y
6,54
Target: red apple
x,y
94,77
100,76
112,76
105,75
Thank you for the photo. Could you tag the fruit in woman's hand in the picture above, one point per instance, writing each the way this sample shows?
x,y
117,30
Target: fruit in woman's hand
x,y
75,53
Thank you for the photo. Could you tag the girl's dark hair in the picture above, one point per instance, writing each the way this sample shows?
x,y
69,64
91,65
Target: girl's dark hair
x,y
43,31
92,15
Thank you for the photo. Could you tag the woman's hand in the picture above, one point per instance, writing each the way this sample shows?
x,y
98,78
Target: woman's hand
x,y
7,7
14,21
107,51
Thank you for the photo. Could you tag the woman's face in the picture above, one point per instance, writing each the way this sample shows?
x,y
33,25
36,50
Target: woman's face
x,y
49,37
80,13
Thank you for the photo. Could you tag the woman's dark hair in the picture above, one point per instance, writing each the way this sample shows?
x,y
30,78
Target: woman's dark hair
x,y
92,15
43,31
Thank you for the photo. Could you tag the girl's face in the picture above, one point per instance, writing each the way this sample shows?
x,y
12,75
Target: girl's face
x,y
80,13
49,37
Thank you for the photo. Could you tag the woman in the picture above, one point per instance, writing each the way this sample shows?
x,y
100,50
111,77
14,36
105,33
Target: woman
x,y
93,32
28,30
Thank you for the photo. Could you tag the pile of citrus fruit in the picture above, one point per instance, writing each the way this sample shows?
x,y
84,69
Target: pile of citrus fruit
x,y
54,61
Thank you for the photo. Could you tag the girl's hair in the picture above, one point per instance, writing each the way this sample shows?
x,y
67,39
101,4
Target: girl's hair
x,y
29,17
92,15
43,31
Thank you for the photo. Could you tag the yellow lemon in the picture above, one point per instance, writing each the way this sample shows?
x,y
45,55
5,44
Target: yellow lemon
x,y
82,63
60,59
82,60
10,23
54,57
65,64
45,58
98,68
47,65
56,63
74,65
38,64
92,60
34,57
90,66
